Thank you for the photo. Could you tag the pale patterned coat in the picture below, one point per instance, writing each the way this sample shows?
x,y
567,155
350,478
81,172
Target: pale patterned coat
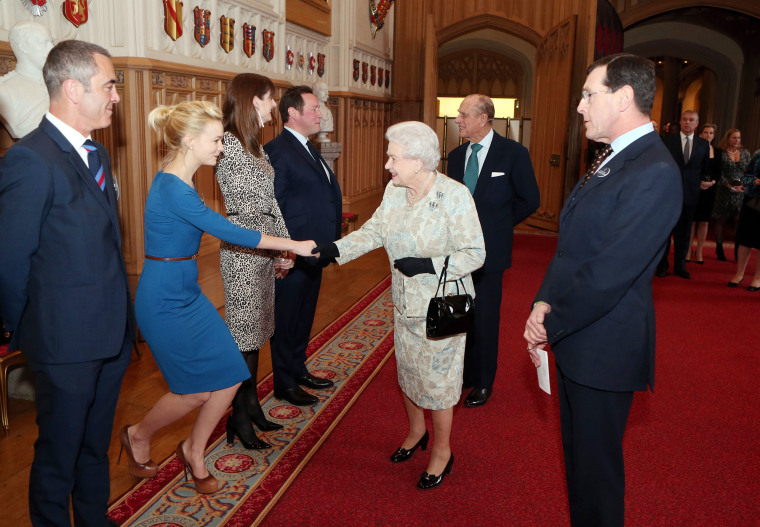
x,y
444,223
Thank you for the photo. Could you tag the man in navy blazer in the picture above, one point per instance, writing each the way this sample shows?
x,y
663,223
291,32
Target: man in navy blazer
x,y
595,304
505,193
692,170
309,197
63,284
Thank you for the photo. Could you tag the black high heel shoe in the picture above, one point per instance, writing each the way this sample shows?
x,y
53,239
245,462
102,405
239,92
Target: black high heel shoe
x,y
402,454
428,481
251,443
250,396
263,424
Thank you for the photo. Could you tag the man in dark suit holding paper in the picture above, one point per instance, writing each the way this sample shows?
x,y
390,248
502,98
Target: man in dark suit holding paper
x,y
63,284
500,177
595,305
309,197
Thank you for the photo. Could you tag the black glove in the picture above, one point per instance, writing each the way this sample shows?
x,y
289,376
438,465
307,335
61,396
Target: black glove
x,y
411,266
328,252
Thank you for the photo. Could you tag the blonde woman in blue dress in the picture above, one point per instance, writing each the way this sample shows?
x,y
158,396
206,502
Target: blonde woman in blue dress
x,y
188,338
424,217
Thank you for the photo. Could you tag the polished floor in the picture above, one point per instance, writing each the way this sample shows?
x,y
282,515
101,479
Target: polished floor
x,y
143,385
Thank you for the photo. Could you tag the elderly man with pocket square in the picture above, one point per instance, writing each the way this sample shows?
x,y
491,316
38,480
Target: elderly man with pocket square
x,y
500,177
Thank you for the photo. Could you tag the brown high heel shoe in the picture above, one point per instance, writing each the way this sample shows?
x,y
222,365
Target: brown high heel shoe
x,y
207,485
137,469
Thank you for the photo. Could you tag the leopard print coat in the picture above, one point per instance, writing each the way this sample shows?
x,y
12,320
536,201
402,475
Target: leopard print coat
x,y
247,184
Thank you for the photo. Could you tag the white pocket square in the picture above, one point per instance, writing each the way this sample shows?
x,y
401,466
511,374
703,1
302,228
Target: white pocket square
x,y
497,174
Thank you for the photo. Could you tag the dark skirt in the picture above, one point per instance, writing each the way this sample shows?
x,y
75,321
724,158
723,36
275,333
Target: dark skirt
x,y
748,230
705,204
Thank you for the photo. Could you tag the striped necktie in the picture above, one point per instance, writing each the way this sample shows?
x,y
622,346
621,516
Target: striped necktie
x,y
96,167
471,170
600,157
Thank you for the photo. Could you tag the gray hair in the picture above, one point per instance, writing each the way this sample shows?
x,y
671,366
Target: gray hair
x,y
71,59
417,141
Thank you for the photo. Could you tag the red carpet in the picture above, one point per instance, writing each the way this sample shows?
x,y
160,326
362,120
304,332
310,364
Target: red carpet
x,y
692,447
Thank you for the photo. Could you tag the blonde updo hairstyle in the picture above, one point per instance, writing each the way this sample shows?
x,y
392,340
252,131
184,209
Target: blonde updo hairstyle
x,y
176,122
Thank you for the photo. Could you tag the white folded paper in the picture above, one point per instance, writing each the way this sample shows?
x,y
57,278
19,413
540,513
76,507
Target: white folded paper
x,y
543,371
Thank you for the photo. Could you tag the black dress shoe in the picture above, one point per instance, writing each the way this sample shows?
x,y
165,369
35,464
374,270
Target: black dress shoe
x,y
750,288
317,383
735,284
402,454
296,396
683,273
661,274
428,481
478,397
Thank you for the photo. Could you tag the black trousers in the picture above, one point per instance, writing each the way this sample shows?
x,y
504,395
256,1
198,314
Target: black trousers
x,y
75,411
593,423
482,348
295,303
681,239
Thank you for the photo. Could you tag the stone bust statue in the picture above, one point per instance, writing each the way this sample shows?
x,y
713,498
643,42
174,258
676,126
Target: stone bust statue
x,y
321,92
23,95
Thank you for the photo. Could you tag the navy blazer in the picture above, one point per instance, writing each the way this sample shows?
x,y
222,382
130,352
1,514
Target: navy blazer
x,y
502,201
311,205
691,172
63,283
599,284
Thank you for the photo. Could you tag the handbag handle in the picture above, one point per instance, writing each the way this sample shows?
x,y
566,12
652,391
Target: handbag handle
x,y
442,279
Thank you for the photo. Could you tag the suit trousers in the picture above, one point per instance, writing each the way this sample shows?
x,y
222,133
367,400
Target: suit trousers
x,y
681,240
593,423
295,303
75,412
482,348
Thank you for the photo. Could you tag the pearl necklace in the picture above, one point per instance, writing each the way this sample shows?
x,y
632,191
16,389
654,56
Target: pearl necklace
x,y
732,151
414,199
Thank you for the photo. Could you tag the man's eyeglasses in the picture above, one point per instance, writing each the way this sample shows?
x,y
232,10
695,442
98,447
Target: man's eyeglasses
x,y
587,94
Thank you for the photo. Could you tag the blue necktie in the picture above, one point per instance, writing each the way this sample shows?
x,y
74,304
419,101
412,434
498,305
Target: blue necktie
x,y
471,170
96,167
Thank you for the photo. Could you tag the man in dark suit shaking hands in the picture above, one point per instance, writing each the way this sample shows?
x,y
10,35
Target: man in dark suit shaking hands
x,y
690,153
63,284
595,304
309,197
500,177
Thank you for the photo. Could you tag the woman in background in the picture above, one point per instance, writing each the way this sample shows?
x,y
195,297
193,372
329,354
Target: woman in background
x,y
425,218
706,194
748,230
728,198
188,339
247,182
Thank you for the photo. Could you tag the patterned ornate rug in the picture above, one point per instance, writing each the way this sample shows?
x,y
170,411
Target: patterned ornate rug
x,y
349,351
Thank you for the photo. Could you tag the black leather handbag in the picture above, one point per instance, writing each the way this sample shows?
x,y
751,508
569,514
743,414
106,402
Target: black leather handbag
x,y
450,314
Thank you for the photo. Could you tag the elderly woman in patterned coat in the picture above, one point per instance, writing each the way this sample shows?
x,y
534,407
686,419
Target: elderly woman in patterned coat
x,y
424,217
246,179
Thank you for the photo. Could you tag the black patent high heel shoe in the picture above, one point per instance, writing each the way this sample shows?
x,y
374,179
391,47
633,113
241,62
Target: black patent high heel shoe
x,y
251,443
428,481
250,396
402,454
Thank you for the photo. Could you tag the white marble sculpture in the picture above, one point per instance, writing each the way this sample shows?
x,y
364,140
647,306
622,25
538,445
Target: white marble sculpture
x,y
326,125
23,95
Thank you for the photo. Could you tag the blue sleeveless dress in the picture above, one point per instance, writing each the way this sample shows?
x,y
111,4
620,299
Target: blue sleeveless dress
x,y
188,338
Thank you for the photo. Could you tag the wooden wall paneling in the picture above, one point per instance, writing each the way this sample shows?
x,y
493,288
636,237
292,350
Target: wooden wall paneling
x,y
548,142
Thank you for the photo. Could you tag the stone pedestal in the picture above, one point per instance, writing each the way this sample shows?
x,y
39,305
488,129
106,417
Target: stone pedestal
x,y
330,151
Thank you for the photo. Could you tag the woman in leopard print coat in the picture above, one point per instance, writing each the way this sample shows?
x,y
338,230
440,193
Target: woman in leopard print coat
x,y
246,179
